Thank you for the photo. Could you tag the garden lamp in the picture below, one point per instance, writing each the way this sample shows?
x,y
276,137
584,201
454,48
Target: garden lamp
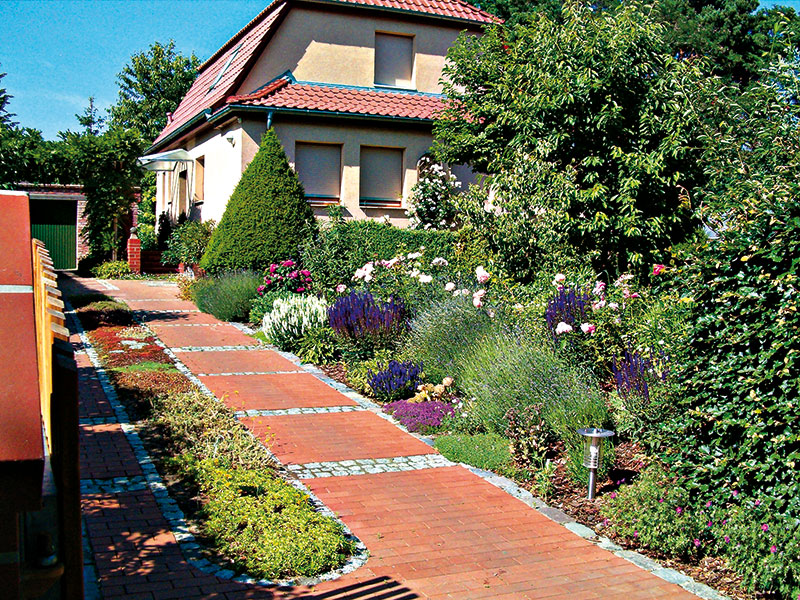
x,y
593,453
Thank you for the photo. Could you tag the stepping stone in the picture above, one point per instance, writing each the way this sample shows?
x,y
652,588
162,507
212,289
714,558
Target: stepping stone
x,y
273,392
202,335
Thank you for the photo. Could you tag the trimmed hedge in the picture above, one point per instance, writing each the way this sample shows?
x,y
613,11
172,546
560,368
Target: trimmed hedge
x,y
267,216
344,246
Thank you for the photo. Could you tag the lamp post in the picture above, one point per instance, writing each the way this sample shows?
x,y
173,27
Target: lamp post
x,y
593,453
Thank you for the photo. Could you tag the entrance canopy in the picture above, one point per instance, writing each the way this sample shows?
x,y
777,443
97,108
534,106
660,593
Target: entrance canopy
x,y
164,161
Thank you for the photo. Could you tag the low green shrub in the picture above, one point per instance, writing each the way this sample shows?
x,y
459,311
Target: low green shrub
x,y
259,521
228,296
342,247
358,372
262,304
188,242
657,514
291,318
318,346
269,528
484,450
147,234
113,269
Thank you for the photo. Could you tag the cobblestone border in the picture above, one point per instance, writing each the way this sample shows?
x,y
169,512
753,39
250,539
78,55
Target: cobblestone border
x,y
281,412
192,551
369,466
250,373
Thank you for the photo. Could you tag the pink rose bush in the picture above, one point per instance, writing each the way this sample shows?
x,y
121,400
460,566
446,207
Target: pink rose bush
x,y
285,276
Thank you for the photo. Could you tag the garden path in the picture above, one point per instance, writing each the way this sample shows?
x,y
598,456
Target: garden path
x,y
433,529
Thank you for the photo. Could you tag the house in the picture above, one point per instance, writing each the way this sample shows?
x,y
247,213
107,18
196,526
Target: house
x,y
351,88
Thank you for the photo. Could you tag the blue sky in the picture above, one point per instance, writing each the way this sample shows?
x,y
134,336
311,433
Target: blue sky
x,y
57,54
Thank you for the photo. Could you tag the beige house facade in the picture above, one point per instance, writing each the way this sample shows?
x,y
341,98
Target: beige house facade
x,y
350,89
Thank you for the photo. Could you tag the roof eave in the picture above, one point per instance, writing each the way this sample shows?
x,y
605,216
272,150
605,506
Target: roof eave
x,y
232,108
425,15
160,144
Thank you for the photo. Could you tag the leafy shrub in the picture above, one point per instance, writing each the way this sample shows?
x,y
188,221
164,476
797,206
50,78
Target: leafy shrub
x,y
484,450
262,304
227,296
396,380
113,269
147,234
657,514
432,196
188,242
365,324
762,546
164,230
342,247
286,277
291,318
442,333
318,346
185,285
419,417
530,437
267,215
737,424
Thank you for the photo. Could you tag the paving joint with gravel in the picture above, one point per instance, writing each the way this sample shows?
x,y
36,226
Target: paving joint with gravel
x,y
369,466
151,480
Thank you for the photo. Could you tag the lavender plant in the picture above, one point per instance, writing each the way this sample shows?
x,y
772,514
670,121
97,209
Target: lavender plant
x,y
398,380
365,323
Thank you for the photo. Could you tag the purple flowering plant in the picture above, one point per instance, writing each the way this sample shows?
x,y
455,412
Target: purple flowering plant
x,y
397,380
286,276
366,323
419,417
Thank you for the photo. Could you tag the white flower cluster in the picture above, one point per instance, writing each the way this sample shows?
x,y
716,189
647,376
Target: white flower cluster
x,y
291,318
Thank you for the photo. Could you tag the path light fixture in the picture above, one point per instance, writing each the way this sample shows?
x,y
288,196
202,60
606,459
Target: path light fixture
x,y
593,453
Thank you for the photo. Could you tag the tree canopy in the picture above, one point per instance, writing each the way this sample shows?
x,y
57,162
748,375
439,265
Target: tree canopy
x,y
598,118
150,86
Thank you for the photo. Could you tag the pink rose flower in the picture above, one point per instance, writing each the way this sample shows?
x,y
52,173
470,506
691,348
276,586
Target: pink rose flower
x,y
449,286
764,527
482,275
341,288
588,328
658,269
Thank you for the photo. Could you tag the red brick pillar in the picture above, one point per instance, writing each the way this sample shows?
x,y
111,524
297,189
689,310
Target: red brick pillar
x,y
135,253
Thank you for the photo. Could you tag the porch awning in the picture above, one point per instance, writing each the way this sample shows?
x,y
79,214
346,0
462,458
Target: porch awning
x,y
163,161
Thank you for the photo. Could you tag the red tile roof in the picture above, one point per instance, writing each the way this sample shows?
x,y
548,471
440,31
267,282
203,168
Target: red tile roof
x,y
200,97
227,67
342,99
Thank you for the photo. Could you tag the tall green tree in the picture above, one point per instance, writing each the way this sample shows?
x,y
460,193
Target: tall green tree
x,y
150,86
91,120
5,98
596,125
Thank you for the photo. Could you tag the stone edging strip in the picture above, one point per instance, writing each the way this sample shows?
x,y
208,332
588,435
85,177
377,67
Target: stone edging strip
x,y
281,412
192,551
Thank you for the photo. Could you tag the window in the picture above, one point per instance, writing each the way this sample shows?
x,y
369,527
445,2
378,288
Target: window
x,y
394,60
381,176
199,179
224,68
319,168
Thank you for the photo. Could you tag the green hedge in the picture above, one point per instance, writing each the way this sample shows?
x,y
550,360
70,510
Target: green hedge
x,y
344,246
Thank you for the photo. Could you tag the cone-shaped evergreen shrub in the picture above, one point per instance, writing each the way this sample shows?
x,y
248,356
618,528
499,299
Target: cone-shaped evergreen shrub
x,y
267,216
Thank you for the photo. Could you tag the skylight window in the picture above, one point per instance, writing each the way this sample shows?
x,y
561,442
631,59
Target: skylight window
x,y
225,68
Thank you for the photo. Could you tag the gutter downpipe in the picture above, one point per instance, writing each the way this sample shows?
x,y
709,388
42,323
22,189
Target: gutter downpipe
x,y
269,119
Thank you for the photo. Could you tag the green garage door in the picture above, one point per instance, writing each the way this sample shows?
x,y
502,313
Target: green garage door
x,y
55,222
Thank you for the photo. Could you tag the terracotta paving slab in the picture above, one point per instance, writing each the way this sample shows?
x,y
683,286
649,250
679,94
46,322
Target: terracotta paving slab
x,y
105,453
447,533
179,318
149,303
142,289
271,392
236,361
202,335
300,439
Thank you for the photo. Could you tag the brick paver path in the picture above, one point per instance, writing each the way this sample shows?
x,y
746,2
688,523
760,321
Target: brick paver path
x,y
433,530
